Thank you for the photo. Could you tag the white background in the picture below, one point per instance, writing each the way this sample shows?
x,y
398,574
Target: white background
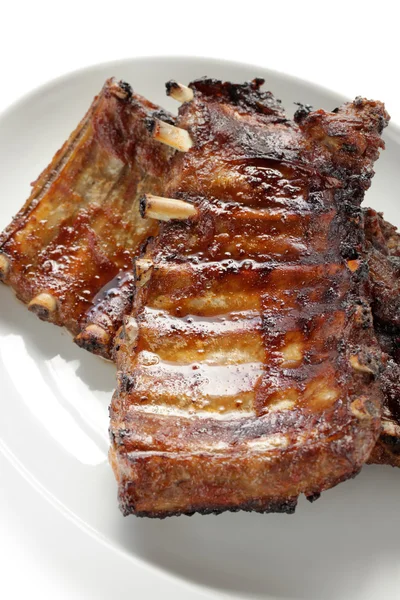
x,y
351,47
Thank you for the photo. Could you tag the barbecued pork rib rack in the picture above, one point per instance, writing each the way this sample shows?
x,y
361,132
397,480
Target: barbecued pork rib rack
x,y
246,370
384,269
383,254
80,226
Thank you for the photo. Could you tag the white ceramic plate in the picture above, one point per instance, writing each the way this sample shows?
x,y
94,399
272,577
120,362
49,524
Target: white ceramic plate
x,y
54,426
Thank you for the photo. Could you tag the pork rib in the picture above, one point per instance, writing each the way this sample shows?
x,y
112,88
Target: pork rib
x,y
246,372
81,226
384,268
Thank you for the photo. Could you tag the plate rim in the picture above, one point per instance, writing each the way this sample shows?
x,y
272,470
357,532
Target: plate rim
x,y
48,84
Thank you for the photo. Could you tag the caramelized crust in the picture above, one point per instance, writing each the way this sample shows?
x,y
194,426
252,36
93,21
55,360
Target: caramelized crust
x,y
247,370
81,226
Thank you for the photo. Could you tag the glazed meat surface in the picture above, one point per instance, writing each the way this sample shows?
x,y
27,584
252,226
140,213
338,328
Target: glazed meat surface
x,y
246,372
80,228
383,242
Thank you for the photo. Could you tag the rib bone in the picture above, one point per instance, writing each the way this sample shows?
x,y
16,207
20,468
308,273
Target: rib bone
x,y
358,366
44,305
171,136
131,330
165,209
179,92
121,90
143,269
93,336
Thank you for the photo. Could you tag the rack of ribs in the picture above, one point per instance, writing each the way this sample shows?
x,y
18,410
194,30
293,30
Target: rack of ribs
x,y
79,230
247,370
383,246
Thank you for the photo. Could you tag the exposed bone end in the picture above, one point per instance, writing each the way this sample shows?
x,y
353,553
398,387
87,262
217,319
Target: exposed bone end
x,y
178,91
94,338
131,330
165,209
121,90
170,135
44,306
4,266
143,270
358,366
390,428
360,408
